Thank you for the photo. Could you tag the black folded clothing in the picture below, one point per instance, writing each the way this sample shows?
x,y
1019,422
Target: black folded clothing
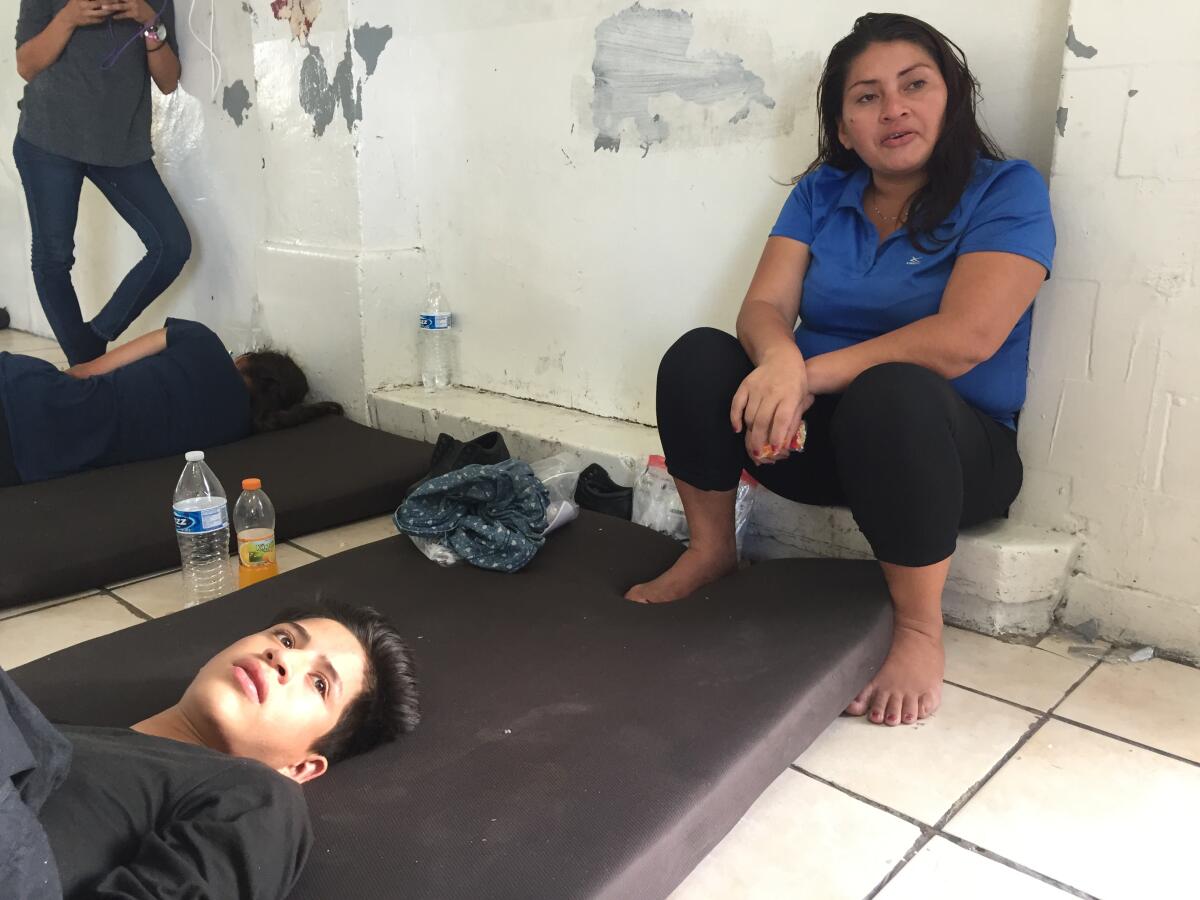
x,y
599,493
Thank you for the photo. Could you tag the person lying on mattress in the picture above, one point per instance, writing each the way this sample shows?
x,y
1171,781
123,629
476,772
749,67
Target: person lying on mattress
x,y
202,799
164,393
911,252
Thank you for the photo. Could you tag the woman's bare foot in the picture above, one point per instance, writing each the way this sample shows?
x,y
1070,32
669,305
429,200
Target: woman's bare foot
x,y
694,569
909,686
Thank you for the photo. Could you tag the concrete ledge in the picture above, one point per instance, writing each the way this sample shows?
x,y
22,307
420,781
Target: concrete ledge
x,y
1006,578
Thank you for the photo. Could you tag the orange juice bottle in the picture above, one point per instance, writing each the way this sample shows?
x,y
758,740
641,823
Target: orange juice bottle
x,y
254,521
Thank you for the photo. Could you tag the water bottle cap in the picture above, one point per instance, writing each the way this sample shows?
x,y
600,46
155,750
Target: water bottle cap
x,y
194,455
251,484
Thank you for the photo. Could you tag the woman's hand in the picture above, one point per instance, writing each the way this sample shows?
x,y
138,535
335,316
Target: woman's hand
x,y
78,13
770,404
138,10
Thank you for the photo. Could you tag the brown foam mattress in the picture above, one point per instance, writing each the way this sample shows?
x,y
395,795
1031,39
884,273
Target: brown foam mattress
x,y
91,529
574,744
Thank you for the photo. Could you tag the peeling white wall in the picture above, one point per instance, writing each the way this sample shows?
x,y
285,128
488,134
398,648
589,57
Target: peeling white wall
x,y
1111,432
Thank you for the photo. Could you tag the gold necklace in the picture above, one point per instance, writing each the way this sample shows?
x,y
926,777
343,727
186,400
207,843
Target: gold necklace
x,y
875,207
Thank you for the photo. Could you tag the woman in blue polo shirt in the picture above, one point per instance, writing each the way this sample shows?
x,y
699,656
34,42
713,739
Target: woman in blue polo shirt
x,y
911,251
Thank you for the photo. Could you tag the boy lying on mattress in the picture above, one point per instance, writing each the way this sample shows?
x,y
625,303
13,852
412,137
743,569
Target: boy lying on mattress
x,y
202,799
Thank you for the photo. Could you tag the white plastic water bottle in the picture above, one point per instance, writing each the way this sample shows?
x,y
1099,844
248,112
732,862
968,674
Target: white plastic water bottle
x,y
202,528
436,347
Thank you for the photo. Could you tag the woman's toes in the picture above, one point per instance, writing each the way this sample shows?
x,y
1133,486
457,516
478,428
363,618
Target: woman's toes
x,y
892,713
908,711
878,707
858,706
927,705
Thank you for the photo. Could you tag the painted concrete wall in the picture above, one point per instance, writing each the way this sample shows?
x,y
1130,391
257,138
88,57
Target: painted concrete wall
x,y
1111,431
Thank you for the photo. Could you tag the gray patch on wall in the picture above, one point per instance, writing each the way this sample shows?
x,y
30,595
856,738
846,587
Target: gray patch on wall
x,y
236,100
369,42
1133,93
1060,121
641,53
249,10
320,97
1081,50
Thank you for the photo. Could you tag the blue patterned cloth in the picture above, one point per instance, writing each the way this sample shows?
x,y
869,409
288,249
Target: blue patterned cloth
x,y
491,516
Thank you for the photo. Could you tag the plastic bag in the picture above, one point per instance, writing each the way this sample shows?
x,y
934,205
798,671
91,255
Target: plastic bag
x,y
437,551
656,503
560,474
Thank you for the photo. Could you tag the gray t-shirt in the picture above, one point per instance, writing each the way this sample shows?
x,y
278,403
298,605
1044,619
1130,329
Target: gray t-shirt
x,y
77,109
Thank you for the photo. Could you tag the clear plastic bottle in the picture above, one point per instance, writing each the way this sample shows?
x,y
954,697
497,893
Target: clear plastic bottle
x,y
202,528
254,522
436,341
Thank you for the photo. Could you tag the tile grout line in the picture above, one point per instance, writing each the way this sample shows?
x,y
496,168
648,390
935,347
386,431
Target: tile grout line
x,y
867,800
969,794
1013,864
928,833
1033,729
1092,728
53,605
981,693
1124,740
141,614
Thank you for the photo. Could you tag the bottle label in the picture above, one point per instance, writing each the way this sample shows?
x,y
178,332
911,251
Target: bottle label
x,y
435,321
201,521
257,553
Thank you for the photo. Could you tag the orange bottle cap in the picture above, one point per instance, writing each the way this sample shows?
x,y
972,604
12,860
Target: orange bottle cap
x,y
251,484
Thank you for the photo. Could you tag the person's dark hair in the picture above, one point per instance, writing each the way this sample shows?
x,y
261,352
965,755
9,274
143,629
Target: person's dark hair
x,y
277,391
961,139
388,705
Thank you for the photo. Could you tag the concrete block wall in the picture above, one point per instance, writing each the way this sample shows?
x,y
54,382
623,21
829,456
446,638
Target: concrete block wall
x,y
1111,432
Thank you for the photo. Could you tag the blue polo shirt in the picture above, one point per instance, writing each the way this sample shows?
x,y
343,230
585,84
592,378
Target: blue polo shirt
x,y
857,288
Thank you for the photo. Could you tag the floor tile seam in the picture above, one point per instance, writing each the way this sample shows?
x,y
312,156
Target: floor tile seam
x,y
56,605
928,833
1033,729
304,549
922,841
137,611
1013,864
882,807
1125,740
1029,709
141,579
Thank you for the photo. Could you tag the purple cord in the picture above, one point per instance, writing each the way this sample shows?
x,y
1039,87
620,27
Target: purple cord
x,y
111,59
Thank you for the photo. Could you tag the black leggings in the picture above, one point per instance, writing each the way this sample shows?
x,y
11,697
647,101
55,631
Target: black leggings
x,y
8,467
912,459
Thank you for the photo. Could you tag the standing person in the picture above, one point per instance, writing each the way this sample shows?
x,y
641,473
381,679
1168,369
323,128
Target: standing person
x,y
86,114
911,250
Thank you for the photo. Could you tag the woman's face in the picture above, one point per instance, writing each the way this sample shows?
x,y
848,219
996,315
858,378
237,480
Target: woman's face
x,y
892,108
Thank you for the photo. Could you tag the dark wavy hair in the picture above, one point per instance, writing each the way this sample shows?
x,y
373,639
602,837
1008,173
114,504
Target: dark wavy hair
x,y
277,391
960,142
388,705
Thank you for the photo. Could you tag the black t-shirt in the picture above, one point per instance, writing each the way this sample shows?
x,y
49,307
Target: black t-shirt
x,y
188,397
146,817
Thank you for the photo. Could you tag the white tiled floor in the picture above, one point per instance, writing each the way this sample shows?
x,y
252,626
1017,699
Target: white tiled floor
x,y
1055,776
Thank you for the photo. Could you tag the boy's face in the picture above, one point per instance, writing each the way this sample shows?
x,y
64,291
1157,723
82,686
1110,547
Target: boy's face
x,y
272,695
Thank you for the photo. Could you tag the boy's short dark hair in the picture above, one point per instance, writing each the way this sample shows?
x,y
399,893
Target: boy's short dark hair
x,y
388,704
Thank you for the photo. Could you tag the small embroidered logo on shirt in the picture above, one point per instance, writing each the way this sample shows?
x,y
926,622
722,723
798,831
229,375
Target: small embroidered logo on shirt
x,y
913,261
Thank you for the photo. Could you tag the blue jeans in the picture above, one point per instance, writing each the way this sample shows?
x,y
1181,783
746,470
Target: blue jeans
x,y
52,185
